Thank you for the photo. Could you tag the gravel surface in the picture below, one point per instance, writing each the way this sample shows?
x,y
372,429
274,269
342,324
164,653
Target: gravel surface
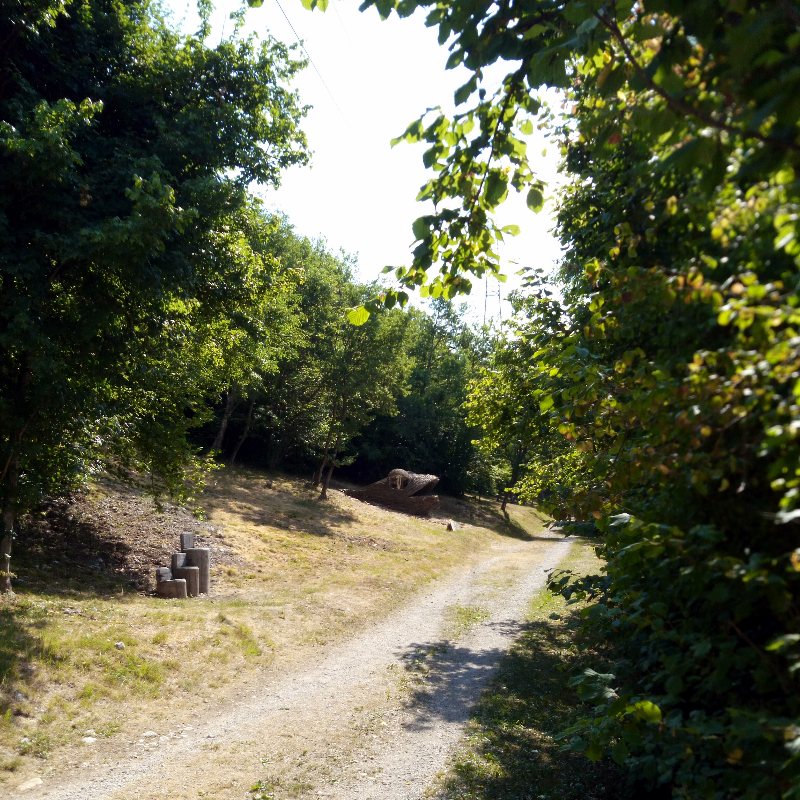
x,y
373,717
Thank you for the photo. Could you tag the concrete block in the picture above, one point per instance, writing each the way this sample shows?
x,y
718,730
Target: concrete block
x,y
192,577
201,557
178,560
175,588
163,574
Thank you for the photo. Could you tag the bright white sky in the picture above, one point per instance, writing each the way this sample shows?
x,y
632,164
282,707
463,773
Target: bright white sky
x,y
376,77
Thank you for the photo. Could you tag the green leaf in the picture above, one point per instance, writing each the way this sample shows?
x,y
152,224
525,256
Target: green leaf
x,y
463,92
619,752
594,752
496,188
535,199
645,710
546,403
358,316
783,641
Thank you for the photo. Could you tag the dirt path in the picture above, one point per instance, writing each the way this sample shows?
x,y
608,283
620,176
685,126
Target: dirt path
x,y
373,717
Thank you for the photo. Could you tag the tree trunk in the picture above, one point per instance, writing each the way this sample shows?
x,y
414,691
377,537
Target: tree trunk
x,y
10,478
5,546
8,526
323,495
317,479
231,402
245,432
276,452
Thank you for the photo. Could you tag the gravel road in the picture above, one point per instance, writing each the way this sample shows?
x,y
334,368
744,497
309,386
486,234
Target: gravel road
x,y
375,716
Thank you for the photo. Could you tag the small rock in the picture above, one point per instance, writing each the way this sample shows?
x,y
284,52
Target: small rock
x,y
89,739
120,645
30,784
149,734
451,526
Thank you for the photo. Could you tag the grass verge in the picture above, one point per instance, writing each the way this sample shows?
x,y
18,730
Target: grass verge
x,y
511,750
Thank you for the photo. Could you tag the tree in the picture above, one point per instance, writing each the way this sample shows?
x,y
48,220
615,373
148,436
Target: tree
x,y
672,374
253,352
330,378
430,433
125,153
534,460
364,370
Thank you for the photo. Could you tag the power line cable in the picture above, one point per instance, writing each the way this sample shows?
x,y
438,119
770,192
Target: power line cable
x,y
335,8
311,60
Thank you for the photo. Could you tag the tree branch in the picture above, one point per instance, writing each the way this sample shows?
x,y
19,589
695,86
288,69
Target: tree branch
x,y
682,107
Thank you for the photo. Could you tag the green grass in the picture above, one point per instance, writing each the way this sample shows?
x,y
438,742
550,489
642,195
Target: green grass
x,y
266,789
512,750
460,619
77,658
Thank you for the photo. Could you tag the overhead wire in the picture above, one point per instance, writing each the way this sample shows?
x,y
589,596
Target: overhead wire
x,y
311,60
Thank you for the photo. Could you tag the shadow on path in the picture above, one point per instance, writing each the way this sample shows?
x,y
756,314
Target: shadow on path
x,y
515,715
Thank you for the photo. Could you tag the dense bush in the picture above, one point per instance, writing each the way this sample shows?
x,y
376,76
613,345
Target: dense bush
x,y
659,394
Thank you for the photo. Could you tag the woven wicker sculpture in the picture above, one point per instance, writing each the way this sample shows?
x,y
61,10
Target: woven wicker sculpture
x,y
399,490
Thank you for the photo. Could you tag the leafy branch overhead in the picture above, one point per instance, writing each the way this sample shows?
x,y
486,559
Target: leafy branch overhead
x,y
695,83
660,397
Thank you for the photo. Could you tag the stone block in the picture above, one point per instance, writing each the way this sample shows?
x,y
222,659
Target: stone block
x,y
201,557
187,541
192,577
178,560
163,574
175,588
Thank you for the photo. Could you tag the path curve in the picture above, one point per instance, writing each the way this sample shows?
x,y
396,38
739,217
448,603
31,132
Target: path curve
x,y
376,717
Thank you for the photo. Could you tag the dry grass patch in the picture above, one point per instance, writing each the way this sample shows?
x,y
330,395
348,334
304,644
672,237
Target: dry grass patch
x,y
88,656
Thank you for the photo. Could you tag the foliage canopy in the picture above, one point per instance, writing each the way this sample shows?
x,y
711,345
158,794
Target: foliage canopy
x,y
128,244
661,395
